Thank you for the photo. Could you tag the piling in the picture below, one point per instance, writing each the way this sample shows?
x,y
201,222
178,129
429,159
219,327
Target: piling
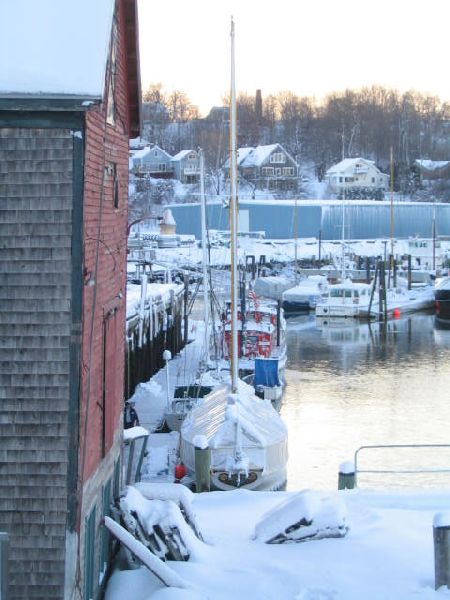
x,y
202,464
346,477
441,539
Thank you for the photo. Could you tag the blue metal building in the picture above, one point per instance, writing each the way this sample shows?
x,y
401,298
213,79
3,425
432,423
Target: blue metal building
x,y
364,219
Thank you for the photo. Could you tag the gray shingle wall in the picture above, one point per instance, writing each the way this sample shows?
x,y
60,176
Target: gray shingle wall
x,y
35,305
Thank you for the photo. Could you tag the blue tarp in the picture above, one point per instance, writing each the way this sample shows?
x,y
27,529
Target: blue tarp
x,y
266,372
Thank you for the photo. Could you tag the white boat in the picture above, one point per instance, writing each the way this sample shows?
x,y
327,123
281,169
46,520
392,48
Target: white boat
x,y
246,435
359,300
305,295
247,438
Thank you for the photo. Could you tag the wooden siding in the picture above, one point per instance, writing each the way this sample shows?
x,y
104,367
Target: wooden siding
x,y
35,325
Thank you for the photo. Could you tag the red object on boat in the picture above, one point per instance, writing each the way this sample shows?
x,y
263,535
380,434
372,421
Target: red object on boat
x,y
396,313
180,471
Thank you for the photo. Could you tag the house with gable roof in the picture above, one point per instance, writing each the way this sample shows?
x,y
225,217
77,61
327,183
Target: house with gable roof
x,y
268,167
357,176
153,161
186,166
69,104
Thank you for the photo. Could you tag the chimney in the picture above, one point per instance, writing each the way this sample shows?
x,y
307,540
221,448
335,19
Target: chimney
x,y
258,106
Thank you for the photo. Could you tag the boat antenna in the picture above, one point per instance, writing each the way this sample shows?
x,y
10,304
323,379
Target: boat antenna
x,y
205,260
233,223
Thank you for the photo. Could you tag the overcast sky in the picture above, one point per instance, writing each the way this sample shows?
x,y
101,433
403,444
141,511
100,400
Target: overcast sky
x,y
310,47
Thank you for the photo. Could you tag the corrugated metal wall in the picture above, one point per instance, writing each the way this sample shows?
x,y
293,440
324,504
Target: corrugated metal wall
x,y
364,220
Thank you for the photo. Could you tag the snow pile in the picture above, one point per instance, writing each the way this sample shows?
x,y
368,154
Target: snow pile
x,y
50,47
134,432
304,516
179,494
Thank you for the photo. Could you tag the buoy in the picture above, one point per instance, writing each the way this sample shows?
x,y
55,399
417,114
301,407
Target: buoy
x,y
396,313
180,471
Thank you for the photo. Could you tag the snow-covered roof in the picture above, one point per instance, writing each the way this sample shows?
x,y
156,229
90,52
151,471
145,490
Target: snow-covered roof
x,y
258,155
140,153
182,154
242,154
349,163
432,165
255,157
54,48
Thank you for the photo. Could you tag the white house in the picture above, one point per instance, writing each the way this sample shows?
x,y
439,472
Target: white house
x,y
186,166
357,174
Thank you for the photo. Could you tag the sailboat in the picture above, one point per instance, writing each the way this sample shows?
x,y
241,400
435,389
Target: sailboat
x,y
246,435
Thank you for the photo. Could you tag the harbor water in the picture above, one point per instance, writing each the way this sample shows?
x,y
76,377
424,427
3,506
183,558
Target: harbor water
x,y
352,384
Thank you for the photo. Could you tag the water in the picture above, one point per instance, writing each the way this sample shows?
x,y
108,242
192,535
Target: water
x,y
351,385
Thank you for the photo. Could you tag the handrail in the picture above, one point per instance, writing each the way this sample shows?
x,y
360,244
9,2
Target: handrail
x,y
400,471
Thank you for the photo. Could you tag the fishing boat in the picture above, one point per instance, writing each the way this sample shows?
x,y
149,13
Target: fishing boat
x,y
261,333
362,300
246,435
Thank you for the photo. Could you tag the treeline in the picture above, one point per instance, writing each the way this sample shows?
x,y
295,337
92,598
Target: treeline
x,y
367,122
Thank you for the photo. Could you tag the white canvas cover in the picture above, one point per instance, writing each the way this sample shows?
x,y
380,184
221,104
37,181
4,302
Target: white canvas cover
x,y
263,433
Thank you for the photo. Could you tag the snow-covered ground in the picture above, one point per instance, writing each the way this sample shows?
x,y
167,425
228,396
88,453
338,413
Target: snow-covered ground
x,y
387,553
284,251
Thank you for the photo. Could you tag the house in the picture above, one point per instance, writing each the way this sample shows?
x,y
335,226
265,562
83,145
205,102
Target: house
x,y
357,178
268,167
186,166
431,170
69,102
152,161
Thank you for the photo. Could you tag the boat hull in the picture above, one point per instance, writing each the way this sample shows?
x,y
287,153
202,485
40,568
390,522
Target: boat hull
x,y
442,304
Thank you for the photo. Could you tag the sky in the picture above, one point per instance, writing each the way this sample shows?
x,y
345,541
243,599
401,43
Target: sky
x,y
310,47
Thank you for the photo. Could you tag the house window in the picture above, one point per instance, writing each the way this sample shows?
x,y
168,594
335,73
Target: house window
x,y
115,187
111,108
373,179
278,172
288,171
89,555
104,544
155,153
267,171
162,167
277,157
341,179
192,156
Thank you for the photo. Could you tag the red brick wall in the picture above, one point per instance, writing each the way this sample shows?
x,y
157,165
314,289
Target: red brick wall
x,y
105,262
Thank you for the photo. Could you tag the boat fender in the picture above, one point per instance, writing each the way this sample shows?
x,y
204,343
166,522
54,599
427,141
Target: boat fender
x,y
180,471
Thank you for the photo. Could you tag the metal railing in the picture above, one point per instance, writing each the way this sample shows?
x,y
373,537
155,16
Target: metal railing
x,y
399,471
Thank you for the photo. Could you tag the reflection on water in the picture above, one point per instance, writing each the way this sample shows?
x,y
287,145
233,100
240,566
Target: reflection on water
x,y
353,384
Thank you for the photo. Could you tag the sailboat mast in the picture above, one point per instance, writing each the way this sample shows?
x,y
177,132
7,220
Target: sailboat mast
x,y
391,262
233,223
204,256
343,270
